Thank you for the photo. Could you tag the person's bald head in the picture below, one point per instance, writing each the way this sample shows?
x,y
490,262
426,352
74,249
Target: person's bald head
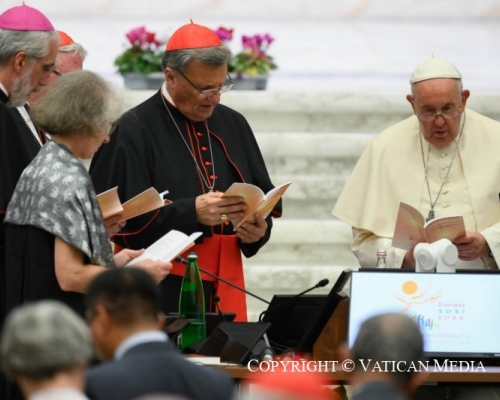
x,y
389,337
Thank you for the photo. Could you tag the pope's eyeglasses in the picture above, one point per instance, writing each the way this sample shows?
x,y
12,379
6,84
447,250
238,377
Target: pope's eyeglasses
x,y
432,115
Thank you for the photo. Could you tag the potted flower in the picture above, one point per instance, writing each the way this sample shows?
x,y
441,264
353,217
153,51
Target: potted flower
x,y
141,59
250,67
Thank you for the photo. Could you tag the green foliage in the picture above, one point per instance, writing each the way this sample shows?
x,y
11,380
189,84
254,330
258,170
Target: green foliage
x,y
250,63
137,59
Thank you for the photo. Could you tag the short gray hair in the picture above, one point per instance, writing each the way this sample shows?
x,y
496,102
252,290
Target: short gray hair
x,y
43,338
459,82
390,337
77,103
35,44
211,56
74,49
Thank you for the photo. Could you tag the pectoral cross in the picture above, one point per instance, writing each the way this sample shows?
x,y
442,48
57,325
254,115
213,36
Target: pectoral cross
x,y
431,216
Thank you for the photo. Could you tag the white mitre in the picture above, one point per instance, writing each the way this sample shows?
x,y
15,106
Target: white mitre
x,y
435,68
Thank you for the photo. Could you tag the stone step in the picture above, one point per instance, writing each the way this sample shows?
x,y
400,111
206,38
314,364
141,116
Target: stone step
x,y
307,242
312,196
321,145
317,163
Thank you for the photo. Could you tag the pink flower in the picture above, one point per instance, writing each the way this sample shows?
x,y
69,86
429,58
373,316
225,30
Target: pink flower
x,y
137,36
268,38
224,34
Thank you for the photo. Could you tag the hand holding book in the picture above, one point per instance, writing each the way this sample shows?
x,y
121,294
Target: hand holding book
x,y
149,200
255,199
168,247
411,228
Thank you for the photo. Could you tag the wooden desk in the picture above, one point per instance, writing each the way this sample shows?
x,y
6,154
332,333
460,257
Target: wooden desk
x,y
491,375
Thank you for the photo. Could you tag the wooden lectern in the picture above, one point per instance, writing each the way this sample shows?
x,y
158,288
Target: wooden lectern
x,y
333,334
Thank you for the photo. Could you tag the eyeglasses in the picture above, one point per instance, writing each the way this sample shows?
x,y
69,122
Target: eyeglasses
x,y
432,115
56,72
48,68
209,92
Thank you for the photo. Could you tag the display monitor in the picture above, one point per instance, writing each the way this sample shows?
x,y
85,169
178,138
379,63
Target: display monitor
x,y
457,313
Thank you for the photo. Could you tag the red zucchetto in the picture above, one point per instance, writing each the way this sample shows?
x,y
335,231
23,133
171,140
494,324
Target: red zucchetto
x,y
193,36
64,39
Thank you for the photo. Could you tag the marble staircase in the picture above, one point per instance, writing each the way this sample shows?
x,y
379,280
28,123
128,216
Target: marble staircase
x,y
313,140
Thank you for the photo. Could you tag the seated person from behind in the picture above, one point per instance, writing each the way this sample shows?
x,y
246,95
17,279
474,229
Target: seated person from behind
x,y
386,338
46,347
442,160
123,311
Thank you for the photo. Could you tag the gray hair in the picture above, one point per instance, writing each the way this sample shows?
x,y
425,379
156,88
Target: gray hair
x,y
211,56
77,103
74,49
43,338
390,337
35,44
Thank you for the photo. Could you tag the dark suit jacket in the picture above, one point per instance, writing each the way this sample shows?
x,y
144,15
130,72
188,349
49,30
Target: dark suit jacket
x,y
378,391
156,368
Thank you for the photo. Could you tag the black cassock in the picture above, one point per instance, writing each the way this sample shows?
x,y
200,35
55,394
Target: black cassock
x,y
18,147
146,149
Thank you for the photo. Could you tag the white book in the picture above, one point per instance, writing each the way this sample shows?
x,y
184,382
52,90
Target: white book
x,y
167,247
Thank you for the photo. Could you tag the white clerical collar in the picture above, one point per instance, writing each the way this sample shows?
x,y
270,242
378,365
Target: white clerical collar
x,y
165,94
139,338
2,88
58,394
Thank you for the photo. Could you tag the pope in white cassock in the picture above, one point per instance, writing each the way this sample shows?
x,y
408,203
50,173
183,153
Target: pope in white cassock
x,y
443,160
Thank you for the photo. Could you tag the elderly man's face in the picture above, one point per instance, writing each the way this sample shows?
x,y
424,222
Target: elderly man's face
x,y
187,98
65,62
436,96
34,73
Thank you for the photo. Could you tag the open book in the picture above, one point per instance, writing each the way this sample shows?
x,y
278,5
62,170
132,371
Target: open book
x,y
144,202
255,199
168,247
411,228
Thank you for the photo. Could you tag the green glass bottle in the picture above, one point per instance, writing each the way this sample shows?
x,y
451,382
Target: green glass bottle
x,y
192,304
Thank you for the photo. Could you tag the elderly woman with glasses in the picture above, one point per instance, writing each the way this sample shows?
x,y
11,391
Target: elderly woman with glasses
x,y
184,141
443,161
56,237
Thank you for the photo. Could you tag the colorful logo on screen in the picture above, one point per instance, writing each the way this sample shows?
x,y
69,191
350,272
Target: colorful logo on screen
x,y
424,323
412,295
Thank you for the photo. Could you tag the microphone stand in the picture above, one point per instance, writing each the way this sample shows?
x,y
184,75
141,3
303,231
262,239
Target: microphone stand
x,y
321,283
184,261
217,306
